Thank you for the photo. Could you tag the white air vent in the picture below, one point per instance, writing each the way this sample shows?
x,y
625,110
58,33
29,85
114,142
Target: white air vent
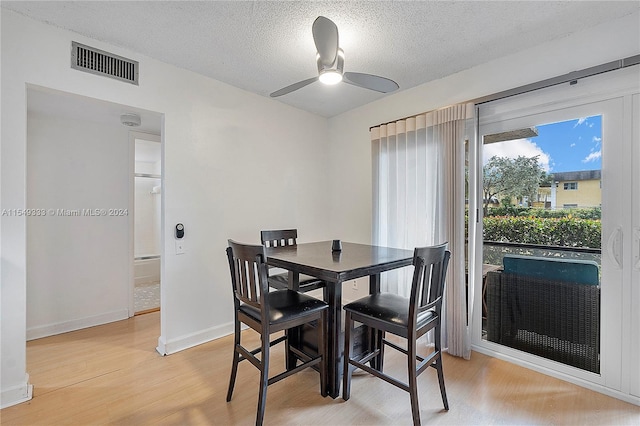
x,y
95,61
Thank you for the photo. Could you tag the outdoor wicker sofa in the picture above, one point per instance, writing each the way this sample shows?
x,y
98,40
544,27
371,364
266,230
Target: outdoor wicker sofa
x,y
548,307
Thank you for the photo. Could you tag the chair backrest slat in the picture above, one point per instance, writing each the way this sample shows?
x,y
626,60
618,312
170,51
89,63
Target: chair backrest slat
x,y
248,273
429,278
279,238
245,284
426,293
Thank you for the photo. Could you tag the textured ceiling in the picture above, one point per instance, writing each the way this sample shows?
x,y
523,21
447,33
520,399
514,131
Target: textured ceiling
x,y
263,46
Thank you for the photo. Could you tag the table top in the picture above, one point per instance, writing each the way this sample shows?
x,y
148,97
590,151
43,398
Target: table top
x,y
354,261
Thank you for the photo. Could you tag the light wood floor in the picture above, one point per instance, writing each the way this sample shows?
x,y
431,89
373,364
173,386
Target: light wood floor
x,y
112,374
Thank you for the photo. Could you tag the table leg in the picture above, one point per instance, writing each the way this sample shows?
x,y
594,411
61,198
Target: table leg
x,y
294,280
375,340
374,284
334,361
294,336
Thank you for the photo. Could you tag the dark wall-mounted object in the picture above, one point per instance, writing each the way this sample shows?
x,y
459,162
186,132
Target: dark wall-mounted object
x,y
179,230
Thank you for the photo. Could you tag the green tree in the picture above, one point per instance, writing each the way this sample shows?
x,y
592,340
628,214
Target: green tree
x,y
511,177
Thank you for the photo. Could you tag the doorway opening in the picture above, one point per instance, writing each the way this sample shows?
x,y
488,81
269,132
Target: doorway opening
x,y
79,176
147,224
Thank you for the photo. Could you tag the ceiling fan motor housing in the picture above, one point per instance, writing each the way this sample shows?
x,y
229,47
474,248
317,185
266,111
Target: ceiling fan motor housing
x,y
336,66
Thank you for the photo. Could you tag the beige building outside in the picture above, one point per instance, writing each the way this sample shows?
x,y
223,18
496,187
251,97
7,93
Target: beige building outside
x,y
581,189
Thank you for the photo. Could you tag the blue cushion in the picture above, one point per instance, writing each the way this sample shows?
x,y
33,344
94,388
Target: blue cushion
x,y
555,269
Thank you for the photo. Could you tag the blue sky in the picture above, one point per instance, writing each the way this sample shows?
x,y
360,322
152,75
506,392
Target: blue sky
x,y
563,147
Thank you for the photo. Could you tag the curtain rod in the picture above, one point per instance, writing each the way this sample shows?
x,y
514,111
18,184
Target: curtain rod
x,y
570,77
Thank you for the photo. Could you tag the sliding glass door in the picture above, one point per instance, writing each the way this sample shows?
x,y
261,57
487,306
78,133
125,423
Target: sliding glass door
x,y
552,209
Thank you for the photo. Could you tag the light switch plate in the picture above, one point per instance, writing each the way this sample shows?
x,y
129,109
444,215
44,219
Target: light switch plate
x,y
180,248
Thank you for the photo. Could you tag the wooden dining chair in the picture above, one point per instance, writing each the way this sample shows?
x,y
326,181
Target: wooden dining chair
x,y
287,238
268,312
409,318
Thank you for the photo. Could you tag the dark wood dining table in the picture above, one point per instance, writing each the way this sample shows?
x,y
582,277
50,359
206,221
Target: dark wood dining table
x,y
335,267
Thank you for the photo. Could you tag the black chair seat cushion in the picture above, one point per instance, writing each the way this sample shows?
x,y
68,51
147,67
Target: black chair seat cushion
x,y
286,305
388,308
281,281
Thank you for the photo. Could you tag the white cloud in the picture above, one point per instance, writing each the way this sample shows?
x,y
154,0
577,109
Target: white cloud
x,y
594,156
572,145
580,121
596,139
514,148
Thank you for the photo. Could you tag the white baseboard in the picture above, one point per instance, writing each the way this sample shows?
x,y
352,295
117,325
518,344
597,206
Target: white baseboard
x,y
76,324
188,341
16,394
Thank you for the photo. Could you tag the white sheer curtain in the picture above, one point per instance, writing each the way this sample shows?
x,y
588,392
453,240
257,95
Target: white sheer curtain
x,y
419,200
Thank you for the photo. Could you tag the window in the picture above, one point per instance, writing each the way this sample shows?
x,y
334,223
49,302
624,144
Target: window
x,y
570,186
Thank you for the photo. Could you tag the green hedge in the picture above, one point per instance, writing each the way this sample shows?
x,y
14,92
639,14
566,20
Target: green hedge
x,y
566,231
581,213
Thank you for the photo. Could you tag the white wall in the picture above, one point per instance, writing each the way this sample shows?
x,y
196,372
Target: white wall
x,y
232,166
77,266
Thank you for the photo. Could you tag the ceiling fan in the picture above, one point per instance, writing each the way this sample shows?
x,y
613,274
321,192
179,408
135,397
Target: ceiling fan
x,y
330,60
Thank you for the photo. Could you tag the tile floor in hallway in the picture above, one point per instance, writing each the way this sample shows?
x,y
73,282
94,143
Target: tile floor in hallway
x,y
146,296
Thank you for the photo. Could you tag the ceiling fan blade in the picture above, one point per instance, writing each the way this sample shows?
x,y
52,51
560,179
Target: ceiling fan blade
x,y
370,81
294,86
325,36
